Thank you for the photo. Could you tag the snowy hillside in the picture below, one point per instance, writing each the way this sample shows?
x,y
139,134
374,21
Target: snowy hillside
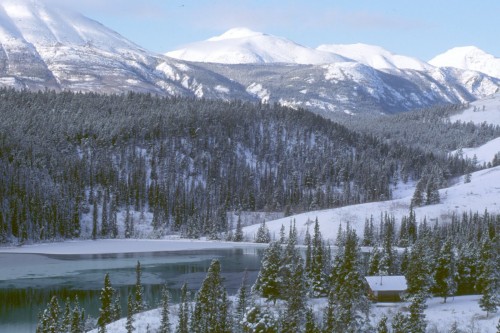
x,y
469,57
375,56
482,111
486,110
480,194
243,46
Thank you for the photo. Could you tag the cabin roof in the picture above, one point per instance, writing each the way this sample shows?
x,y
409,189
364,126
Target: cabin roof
x,y
387,283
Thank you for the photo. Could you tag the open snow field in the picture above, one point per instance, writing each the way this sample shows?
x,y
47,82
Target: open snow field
x,y
487,111
102,246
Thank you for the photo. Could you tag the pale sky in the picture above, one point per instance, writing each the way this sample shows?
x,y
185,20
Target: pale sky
x,y
419,28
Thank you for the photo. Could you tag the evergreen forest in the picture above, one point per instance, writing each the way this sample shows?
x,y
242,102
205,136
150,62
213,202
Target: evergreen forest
x,y
70,163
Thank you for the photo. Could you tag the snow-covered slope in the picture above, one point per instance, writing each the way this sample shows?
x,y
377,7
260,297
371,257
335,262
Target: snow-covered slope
x,y
375,56
469,57
46,46
244,46
486,110
480,194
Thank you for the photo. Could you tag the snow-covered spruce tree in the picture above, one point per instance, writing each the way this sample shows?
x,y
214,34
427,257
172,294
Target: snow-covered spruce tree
x,y
183,324
77,318
94,219
49,319
374,261
210,308
268,282
238,234
399,323
242,300
105,230
165,311
311,326
259,320
382,325
488,282
138,290
319,266
106,310
263,235
348,305
117,307
66,316
445,272
418,275
294,314
416,320
129,325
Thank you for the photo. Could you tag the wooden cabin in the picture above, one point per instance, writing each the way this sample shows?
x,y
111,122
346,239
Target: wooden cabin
x,y
386,288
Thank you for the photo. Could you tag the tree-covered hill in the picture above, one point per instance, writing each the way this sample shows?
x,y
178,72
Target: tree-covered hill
x,y
188,161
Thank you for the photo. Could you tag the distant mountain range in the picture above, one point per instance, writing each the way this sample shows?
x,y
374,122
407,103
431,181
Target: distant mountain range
x,y
46,47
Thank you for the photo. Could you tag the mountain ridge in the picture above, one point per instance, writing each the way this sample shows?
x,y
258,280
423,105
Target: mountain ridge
x,y
51,48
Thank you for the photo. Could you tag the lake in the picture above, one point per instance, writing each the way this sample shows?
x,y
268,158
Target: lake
x,y
28,281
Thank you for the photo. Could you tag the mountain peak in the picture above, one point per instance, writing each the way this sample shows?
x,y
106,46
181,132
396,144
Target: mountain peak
x,y
245,46
469,58
235,33
375,56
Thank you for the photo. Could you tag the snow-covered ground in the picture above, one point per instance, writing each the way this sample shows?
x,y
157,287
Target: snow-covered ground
x,y
486,110
101,246
484,153
483,192
463,310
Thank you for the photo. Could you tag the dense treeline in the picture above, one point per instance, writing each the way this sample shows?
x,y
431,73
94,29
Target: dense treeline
x,y
429,129
68,155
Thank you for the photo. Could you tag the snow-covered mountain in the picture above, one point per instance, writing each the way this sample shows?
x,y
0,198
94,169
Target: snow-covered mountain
x,y
244,46
375,56
43,46
469,58
48,47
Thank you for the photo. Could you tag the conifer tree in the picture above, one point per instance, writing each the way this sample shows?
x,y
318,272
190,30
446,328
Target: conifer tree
x,y
238,235
416,321
348,306
138,290
66,316
94,220
129,326
318,264
445,271
399,323
382,325
104,216
263,235
165,311
105,311
242,303
117,308
210,309
182,326
267,284
77,318
488,283
310,325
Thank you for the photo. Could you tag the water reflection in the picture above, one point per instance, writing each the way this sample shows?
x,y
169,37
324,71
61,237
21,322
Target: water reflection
x,y
23,297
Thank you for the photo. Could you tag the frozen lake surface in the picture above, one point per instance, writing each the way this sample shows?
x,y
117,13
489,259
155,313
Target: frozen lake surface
x,y
30,277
